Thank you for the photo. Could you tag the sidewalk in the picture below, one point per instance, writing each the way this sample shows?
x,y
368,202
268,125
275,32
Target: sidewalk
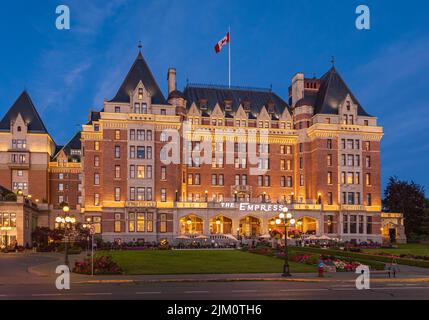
x,y
46,272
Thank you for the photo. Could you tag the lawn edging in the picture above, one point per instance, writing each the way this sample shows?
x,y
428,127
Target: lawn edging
x,y
368,257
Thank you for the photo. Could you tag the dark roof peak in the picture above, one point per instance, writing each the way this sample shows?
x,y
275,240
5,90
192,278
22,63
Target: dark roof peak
x,y
332,93
253,99
24,106
139,71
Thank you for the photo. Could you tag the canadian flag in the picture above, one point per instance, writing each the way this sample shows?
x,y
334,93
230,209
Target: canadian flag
x,y
222,43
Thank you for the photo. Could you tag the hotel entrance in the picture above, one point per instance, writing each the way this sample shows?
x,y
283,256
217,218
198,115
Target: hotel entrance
x,y
221,225
307,226
250,227
191,225
7,230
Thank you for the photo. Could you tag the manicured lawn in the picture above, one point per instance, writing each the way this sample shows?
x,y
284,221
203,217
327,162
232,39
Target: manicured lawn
x,y
415,249
199,262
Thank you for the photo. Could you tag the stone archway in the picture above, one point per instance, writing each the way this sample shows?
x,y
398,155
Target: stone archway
x,y
307,225
191,225
221,225
250,227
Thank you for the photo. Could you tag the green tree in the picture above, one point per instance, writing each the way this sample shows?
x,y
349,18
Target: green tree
x,y
408,198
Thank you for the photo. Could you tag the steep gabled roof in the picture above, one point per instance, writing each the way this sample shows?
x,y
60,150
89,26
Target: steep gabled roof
x,y
139,72
24,106
258,98
74,144
333,91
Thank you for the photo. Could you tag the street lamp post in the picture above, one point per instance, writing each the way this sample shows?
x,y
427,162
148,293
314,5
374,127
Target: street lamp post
x,y
287,219
68,222
90,225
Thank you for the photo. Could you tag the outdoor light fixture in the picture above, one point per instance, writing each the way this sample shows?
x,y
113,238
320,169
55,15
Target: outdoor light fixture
x,y
68,223
287,219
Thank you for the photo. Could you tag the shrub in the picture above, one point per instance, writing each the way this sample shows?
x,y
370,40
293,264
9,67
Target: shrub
x,y
102,266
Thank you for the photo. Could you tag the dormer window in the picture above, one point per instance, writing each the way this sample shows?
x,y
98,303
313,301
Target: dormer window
x,y
117,109
96,127
144,108
137,108
348,106
140,94
19,129
19,144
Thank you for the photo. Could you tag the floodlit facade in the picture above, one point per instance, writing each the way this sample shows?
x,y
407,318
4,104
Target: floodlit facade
x,y
208,160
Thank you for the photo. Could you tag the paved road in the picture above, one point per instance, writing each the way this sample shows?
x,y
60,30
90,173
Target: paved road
x,y
17,283
14,266
215,291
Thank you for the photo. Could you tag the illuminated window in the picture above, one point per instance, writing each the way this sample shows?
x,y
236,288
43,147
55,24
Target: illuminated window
x,y
117,172
96,200
350,178
140,172
118,223
117,135
329,177
163,173
140,94
368,179
117,194
131,222
141,194
140,222
163,223
329,160
163,195
96,145
149,222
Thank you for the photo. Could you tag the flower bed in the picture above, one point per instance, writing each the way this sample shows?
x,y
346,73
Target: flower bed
x,y
102,266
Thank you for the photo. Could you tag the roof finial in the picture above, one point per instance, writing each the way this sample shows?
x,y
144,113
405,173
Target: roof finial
x,y
140,46
333,62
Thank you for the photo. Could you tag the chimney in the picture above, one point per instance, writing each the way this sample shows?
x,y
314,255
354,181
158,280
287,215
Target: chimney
x,y
171,80
297,88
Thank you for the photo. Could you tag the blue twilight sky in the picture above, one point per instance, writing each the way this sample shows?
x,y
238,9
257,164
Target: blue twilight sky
x,y
68,73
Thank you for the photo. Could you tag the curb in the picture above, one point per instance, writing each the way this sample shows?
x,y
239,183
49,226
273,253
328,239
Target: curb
x,y
33,271
411,280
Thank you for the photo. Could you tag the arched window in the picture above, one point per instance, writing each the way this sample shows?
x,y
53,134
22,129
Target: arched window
x,y
19,129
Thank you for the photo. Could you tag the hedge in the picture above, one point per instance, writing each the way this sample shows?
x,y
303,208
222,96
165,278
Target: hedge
x,y
368,257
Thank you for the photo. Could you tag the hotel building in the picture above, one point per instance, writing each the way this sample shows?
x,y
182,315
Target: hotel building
x,y
317,153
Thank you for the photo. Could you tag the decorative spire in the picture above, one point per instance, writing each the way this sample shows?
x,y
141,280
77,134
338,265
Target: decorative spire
x,y
140,46
333,62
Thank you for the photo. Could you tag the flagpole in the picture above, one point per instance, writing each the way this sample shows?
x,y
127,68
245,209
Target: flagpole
x,y
229,58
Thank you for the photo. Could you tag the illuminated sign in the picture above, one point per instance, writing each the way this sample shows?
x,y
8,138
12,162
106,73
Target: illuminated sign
x,y
254,207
